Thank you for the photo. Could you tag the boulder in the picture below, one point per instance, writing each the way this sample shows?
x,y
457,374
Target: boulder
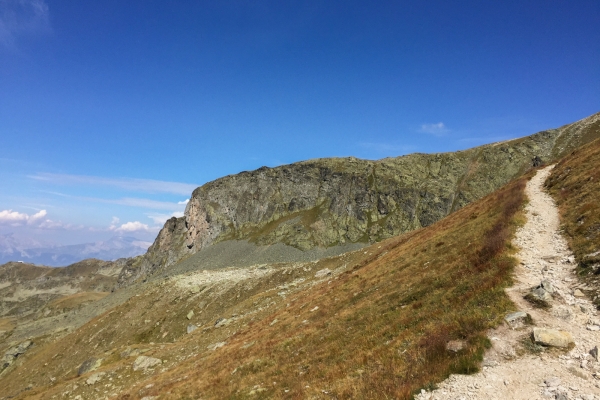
x,y
95,378
89,365
547,286
191,328
323,273
143,362
552,337
515,317
190,314
215,346
222,322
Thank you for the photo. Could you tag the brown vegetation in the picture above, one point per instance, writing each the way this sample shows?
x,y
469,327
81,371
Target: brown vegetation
x,y
575,185
381,329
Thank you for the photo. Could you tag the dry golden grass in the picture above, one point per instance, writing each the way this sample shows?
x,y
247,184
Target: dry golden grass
x,y
378,330
75,300
381,329
575,185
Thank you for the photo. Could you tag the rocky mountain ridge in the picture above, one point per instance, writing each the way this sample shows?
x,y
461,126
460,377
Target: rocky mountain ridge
x,y
331,201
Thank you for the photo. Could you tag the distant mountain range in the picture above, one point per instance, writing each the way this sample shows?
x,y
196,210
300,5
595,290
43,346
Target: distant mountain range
x,y
16,249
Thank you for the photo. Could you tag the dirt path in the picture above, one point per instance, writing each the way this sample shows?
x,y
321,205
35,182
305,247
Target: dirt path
x,y
511,372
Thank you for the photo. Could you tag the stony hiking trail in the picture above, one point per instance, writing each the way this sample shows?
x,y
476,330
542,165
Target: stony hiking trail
x,y
510,371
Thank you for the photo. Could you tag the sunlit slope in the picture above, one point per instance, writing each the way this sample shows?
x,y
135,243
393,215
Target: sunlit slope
x,y
575,185
377,326
381,328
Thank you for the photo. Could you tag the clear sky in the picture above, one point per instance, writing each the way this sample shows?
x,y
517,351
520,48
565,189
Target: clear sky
x,y
111,112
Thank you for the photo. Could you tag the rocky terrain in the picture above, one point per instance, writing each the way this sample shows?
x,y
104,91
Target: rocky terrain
x,y
330,202
38,300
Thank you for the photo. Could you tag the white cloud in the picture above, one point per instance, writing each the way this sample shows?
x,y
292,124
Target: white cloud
x,y
130,184
49,224
37,220
36,217
134,226
11,217
184,202
22,17
438,129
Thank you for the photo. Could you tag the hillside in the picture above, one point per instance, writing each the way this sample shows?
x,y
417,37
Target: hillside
x,y
40,300
330,202
575,185
366,324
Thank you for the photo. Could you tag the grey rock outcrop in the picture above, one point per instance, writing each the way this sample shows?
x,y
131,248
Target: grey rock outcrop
x,y
143,362
11,354
88,365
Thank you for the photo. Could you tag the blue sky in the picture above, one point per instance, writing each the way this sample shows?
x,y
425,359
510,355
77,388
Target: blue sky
x,y
111,112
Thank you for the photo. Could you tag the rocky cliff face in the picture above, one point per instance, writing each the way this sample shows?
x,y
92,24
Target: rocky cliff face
x,y
327,202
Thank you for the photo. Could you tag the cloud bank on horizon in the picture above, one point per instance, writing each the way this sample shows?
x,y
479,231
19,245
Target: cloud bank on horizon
x,y
61,195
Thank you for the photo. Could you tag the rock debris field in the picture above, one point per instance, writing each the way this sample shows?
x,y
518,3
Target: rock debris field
x,y
560,315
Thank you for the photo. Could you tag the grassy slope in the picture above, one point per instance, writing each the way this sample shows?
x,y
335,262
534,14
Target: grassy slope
x,y
380,330
575,185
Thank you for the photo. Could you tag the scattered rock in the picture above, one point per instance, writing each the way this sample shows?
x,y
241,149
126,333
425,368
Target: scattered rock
x,y
594,353
132,352
143,362
89,365
593,327
190,314
95,378
322,273
222,322
553,381
516,317
584,309
455,345
191,328
11,354
541,296
578,293
215,346
562,312
547,286
552,337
